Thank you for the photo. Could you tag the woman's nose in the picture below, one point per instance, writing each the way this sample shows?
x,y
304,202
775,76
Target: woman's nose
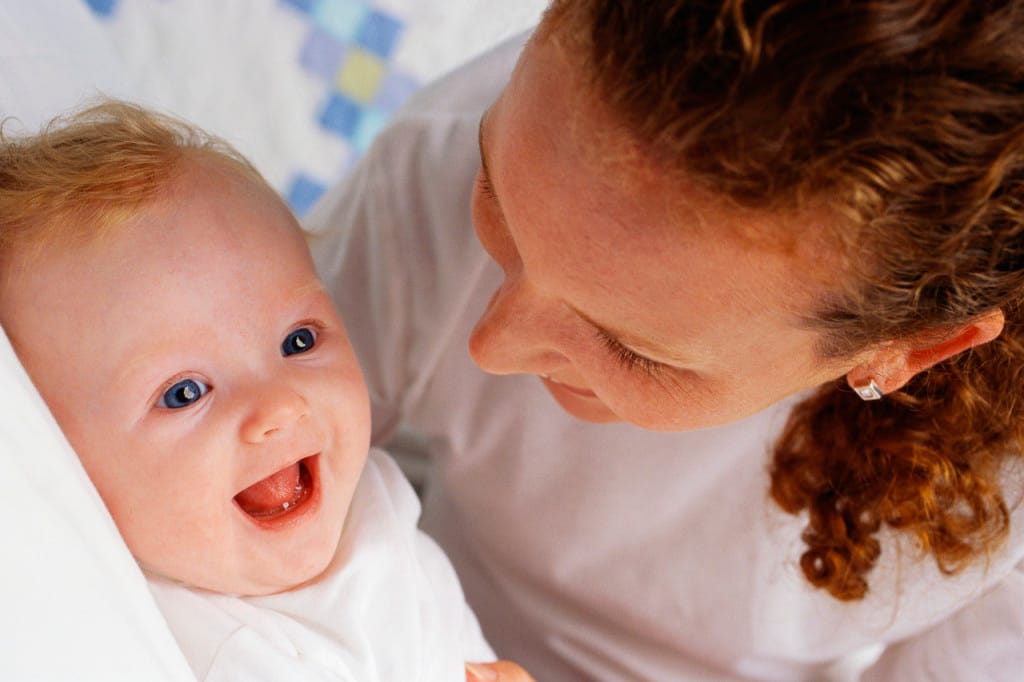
x,y
272,410
517,333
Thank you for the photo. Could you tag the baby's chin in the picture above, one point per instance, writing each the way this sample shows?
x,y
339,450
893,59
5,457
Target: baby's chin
x,y
260,549
240,584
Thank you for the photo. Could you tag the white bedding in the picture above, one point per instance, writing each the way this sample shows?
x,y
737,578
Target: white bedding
x,y
74,604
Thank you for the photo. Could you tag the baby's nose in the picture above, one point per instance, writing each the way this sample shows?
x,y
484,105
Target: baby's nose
x,y
272,411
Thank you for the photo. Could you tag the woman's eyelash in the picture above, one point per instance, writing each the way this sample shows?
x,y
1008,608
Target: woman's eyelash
x,y
486,188
629,359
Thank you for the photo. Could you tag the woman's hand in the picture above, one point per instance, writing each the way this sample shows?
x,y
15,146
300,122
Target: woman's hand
x,y
499,671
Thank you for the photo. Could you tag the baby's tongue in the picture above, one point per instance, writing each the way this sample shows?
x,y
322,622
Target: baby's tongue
x,y
270,493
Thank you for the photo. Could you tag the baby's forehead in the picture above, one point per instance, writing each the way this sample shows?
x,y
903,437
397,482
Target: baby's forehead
x,y
95,217
212,218
160,290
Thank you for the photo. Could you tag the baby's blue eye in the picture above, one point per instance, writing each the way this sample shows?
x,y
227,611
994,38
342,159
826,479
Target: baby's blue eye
x,y
183,394
299,341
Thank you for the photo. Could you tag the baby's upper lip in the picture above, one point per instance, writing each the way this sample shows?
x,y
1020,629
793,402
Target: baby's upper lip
x,y
279,500
268,472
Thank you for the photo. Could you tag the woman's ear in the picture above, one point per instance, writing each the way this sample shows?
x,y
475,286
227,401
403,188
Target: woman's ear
x,y
891,367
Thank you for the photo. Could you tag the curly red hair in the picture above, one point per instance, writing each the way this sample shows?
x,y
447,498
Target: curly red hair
x,y
906,118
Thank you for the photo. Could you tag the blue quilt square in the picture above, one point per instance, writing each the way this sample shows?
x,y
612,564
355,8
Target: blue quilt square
x,y
304,6
103,8
341,18
321,54
303,193
341,115
379,33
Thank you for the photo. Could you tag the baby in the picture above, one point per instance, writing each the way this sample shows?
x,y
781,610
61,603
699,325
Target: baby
x,y
163,300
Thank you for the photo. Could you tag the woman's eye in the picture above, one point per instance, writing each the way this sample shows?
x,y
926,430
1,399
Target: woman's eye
x,y
486,188
629,359
183,394
299,341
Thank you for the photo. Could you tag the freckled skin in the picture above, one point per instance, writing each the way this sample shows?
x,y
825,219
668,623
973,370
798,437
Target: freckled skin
x,y
590,246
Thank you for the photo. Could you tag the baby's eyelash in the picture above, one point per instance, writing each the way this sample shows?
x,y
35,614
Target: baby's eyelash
x,y
629,359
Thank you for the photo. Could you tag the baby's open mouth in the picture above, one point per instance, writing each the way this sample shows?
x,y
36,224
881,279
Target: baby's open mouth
x,y
278,494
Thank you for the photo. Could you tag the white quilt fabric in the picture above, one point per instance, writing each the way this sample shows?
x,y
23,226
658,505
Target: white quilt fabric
x,y
252,71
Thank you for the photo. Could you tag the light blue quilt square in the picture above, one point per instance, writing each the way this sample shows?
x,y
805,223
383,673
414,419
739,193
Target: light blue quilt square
x,y
341,18
370,123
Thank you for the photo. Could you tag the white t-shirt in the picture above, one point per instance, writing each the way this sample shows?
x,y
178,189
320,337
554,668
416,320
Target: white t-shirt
x,y
388,608
605,552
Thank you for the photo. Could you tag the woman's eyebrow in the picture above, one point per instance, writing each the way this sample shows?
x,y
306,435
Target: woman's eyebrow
x,y
483,161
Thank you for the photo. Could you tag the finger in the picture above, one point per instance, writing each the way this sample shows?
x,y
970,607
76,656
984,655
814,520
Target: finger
x,y
499,671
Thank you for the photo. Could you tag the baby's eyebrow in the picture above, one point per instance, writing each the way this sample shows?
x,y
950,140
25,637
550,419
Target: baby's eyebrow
x,y
313,286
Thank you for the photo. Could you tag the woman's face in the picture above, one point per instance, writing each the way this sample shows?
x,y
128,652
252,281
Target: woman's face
x,y
632,296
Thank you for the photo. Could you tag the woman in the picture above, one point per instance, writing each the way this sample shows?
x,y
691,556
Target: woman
x,y
754,272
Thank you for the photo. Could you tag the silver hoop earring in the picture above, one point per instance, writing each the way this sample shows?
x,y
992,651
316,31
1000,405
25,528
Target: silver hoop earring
x,y
869,391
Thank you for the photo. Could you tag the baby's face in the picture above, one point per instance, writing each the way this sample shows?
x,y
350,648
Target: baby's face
x,y
205,380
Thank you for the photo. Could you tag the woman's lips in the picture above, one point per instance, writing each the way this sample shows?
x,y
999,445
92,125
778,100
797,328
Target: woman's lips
x,y
579,402
566,387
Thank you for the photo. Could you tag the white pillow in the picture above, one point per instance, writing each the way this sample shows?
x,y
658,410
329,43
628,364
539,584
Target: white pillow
x,y
74,604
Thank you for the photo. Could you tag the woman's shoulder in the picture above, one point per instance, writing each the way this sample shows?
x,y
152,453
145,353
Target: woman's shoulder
x,y
472,86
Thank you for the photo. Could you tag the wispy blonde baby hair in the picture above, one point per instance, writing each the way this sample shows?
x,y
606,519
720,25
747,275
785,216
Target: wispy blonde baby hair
x,y
93,169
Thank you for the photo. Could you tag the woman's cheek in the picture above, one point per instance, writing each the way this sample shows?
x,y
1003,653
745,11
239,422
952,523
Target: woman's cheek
x,y
492,233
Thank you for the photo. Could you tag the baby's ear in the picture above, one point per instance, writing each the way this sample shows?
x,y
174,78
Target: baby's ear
x,y
897,363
